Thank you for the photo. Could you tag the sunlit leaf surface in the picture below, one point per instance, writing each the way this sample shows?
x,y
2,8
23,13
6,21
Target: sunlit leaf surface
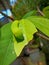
x,y
28,29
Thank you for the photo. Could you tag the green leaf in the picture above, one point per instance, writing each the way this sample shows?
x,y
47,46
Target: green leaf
x,y
27,30
46,11
31,13
41,23
7,54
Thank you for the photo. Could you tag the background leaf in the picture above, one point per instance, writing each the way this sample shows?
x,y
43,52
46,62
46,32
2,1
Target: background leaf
x,y
31,13
41,23
46,11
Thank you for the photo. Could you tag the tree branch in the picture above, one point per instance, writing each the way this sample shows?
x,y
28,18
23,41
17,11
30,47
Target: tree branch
x,y
7,16
42,36
42,14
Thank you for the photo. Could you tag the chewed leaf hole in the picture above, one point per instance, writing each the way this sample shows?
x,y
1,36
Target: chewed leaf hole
x,y
19,38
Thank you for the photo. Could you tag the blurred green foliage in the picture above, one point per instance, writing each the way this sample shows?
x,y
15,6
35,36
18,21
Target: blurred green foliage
x,y
46,11
24,6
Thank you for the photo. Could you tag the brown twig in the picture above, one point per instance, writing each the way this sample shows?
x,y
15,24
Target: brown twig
x,y
42,14
42,36
7,16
